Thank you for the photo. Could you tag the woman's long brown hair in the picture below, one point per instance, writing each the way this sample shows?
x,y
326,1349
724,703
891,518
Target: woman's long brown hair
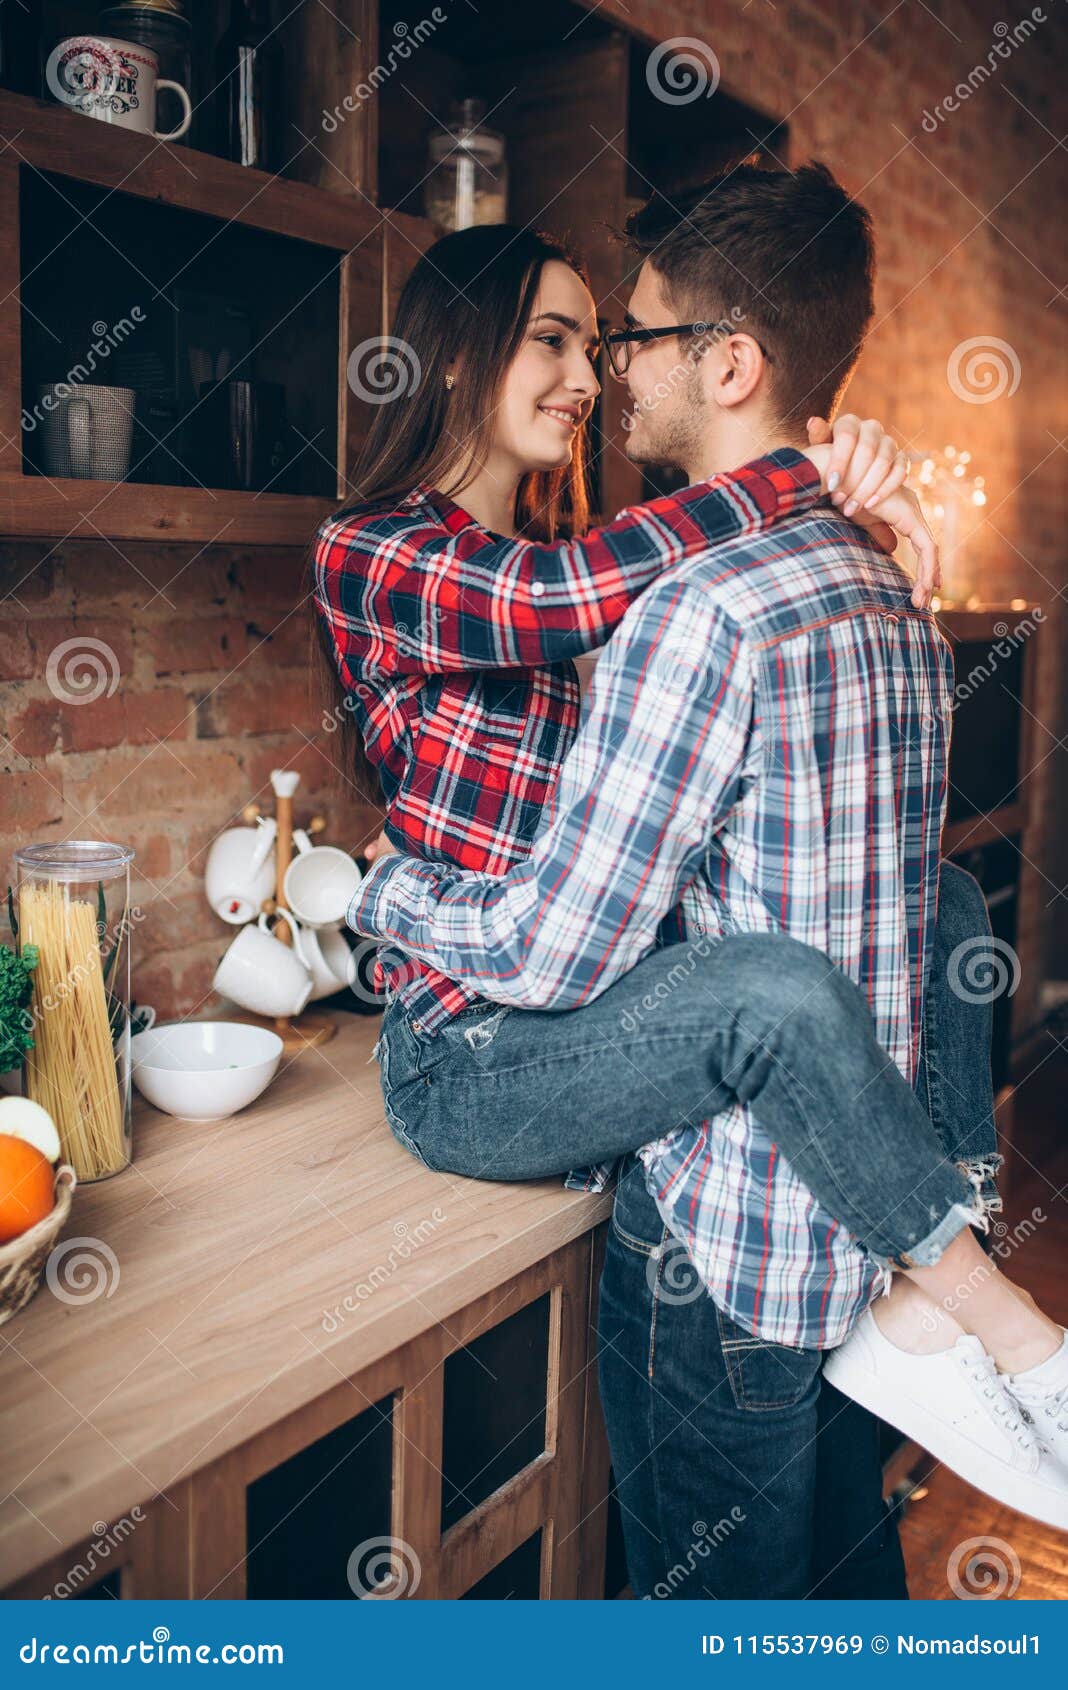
x,y
465,305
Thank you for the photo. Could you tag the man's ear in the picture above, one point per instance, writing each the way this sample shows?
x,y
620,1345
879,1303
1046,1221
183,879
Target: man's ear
x,y
738,369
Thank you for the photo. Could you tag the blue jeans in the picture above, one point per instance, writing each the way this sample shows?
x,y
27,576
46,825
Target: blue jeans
x,y
702,1417
513,1094
738,1473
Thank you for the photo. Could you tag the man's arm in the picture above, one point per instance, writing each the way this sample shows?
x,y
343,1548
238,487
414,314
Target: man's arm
x,y
657,764
410,600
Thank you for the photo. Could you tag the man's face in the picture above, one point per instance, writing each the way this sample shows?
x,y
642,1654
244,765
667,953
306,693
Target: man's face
x,y
668,418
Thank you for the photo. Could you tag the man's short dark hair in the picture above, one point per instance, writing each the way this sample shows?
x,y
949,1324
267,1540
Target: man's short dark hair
x,y
789,255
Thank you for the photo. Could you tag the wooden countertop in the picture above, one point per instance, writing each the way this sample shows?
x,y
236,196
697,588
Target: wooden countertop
x,y
237,1242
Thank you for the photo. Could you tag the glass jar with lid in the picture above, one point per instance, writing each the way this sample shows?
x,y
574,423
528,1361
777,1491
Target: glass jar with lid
x,y
468,180
163,26
72,902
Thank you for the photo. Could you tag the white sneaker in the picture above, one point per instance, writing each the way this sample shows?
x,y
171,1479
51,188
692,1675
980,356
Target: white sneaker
x,y
955,1405
1042,1394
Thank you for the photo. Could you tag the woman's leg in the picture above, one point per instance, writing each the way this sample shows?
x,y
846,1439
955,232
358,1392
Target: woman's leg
x,y
755,1018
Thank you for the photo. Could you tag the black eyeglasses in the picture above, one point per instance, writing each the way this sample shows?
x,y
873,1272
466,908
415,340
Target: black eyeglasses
x,y
618,342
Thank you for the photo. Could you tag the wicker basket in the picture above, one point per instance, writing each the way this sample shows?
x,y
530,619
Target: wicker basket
x,y
22,1262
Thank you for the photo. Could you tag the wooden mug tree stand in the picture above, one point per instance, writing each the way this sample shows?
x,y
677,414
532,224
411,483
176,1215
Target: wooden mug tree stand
x,y
311,1027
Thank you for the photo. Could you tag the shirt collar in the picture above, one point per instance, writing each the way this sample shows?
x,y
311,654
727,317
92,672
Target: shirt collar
x,y
447,511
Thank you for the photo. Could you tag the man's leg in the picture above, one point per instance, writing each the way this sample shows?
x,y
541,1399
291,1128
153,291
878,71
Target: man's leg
x,y
857,1549
724,1486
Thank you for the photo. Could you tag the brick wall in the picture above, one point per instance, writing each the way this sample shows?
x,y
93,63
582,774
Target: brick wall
x,y
210,657
213,665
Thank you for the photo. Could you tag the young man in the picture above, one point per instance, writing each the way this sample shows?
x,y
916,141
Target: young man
x,y
765,753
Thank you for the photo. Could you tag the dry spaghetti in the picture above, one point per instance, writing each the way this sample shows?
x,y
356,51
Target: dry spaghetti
x,y
71,1070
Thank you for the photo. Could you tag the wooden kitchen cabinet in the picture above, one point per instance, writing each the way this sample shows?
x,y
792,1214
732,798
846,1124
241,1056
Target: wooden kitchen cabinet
x,y
314,257
315,1352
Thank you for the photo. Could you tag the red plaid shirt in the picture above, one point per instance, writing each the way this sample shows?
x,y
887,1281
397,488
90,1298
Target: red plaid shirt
x,y
455,645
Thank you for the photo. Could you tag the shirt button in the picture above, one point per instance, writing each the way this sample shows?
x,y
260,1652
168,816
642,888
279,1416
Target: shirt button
x,y
536,589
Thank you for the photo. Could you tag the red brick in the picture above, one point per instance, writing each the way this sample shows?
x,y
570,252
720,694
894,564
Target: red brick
x,y
263,706
194,989
273,574
17,662
286,639
98,652
152,982
187,644
128,717
28,571
32,799
173,920
33,727
154,855
120,784
157,577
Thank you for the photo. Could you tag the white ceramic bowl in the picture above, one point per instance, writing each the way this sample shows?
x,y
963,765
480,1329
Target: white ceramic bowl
x,y
204,1070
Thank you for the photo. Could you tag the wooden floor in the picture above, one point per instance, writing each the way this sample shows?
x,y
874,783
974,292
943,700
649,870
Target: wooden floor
x,y
1013,1557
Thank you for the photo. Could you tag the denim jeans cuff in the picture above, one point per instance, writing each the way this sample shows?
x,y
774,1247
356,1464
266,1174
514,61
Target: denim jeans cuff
x,y
982,1175
984,1200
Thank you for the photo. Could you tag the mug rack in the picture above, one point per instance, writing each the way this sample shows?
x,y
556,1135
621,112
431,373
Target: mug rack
x,y
310,1027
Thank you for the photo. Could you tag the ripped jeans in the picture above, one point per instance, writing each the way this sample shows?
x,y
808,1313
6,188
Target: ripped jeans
x,y
515,1094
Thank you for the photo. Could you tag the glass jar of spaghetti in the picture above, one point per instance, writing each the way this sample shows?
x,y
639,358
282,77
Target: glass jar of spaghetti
x,y
73,905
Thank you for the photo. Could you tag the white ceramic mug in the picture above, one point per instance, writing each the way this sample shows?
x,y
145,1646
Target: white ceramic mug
x,y
328,957
260,973
320,882
114,81
240,871
86,431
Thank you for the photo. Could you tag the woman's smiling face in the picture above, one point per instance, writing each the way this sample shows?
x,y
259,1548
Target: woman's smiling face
x,y
551,384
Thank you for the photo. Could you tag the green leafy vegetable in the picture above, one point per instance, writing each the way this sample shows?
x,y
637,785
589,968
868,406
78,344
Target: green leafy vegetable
x,y
16,989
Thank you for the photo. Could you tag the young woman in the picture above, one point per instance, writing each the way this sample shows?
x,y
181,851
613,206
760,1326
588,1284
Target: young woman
x,y
451,603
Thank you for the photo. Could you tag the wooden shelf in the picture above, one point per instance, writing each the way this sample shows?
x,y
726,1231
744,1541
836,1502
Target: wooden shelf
x,y
972,832
130,510
373,251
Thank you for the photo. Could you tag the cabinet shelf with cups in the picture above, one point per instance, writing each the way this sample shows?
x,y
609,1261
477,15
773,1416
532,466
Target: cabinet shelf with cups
x,y
176,331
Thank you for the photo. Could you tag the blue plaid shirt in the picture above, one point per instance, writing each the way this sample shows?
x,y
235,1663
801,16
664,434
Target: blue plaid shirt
x,y
765,750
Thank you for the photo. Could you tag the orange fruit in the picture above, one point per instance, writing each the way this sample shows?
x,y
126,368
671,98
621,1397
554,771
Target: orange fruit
x,y
26,1186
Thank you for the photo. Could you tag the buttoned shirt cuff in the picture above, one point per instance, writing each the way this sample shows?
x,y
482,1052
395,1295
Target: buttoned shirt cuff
x,y
373,901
